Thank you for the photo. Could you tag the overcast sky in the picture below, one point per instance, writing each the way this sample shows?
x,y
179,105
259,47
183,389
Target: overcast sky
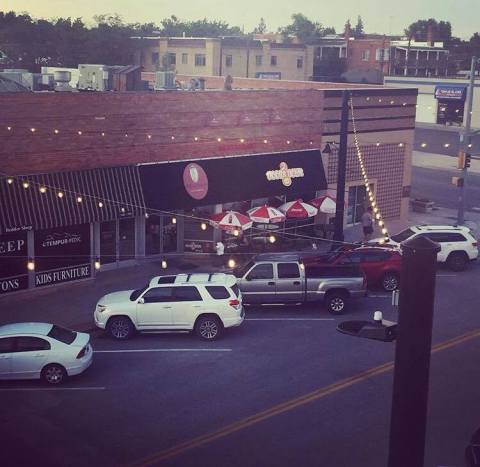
x,y
385,17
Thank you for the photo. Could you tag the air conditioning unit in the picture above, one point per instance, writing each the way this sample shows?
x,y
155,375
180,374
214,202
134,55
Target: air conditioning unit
x,y
95,77
164,80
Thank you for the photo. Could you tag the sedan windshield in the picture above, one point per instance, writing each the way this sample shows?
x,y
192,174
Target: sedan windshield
x,y
403,235
136,293
61,334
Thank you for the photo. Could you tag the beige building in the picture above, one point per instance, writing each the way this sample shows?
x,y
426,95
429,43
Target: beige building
x,y
237,57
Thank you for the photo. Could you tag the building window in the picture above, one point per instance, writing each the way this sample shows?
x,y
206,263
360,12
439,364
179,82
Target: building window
x,y
357,202
200,60
228,60
366,55
184,59
172,59
273,60
155,58
299,62
258,60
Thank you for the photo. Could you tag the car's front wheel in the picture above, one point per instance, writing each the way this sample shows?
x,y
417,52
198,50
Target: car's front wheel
x,y
336,302
208,327
390,281
457,261
54,374
120,328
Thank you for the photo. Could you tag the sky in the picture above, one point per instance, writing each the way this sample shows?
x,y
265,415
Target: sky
x,y
383,17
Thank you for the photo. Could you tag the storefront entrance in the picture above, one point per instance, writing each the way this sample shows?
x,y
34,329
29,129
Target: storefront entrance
x,y
160,234
117,240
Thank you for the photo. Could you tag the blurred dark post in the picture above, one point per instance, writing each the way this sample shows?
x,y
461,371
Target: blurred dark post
x,y
342,168
412,353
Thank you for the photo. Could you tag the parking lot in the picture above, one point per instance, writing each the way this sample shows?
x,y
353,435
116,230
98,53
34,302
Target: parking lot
x,y
283,389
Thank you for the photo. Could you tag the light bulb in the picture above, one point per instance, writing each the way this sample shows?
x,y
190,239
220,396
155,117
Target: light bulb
x,y
164,264
242,140
79,132
97,264
384,231
60,194
219,140
103,133
9,128
149,136
288,141
42,189
56,131
380,223
79,199
174,220
33,130
100,204
196,138
236,233
31,265
9,181
231,263
272,239
377,215
203,226
265,141
25,184
172,137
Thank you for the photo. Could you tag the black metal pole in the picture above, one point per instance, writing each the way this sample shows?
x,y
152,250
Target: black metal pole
x,y
412,353
342,168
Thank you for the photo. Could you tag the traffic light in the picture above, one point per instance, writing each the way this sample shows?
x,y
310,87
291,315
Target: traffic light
x,y
468,159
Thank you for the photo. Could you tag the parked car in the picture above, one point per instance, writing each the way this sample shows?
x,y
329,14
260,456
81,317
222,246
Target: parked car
x,y
458,245
42,350
381,265
204,303
284,278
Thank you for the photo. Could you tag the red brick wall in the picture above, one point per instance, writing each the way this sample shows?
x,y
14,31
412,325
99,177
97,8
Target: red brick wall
x,y
355,49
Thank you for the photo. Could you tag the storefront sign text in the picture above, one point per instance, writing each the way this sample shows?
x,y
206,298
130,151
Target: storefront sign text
x,y
14,283
64,238
285,174
62,275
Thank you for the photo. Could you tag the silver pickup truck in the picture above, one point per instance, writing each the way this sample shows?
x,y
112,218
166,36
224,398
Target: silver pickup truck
x,y
283,278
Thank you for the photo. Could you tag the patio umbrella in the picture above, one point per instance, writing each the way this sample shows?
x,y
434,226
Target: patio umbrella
x,y
326,204
231,220
266,215
298,209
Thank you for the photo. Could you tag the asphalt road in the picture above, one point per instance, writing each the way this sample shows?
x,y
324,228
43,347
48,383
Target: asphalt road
x,y
283,389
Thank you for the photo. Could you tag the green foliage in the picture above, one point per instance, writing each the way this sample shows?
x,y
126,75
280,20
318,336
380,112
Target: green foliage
x,y
30,43
442,30
358,32
261,28
304,29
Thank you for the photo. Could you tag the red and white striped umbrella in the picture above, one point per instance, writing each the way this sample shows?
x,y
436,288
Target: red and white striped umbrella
x,y
326,204
266,215
298,209
231,220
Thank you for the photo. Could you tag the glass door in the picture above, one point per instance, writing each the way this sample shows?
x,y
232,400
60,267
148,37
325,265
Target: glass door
x,y
108,242
126,237
357,202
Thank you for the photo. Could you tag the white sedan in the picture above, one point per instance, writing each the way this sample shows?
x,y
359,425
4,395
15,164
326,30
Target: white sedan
x,y
41,350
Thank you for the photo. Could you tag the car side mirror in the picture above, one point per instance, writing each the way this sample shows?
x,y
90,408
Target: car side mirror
x,y
141,301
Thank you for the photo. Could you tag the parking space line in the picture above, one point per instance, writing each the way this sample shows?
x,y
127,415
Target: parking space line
x,y
289,405
102,388
289,319
160,350
378,296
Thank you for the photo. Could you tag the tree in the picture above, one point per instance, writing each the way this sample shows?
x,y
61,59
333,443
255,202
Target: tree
x,y
358,32
418,31
347,29
261,28
304,29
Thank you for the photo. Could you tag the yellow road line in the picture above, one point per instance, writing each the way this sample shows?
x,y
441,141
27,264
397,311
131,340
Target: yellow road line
x,y
290,405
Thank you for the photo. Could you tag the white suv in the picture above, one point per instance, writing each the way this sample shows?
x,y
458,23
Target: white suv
x,y
204,303
458,245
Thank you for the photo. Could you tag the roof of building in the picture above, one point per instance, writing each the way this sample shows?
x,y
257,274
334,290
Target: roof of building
x,y
8,85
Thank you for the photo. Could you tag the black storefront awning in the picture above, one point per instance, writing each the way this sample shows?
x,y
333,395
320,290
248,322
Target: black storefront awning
x,y
117,189
187,184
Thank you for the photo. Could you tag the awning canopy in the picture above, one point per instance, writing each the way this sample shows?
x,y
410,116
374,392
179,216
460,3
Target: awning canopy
x,y
451,92
66,198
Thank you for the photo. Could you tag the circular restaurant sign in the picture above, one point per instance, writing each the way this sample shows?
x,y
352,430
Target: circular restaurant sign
x,y
195,181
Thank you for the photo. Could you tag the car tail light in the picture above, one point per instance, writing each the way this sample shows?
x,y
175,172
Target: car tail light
x,y
82,352
235,303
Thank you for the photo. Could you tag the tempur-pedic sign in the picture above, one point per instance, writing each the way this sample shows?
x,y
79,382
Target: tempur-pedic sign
x,y
285,174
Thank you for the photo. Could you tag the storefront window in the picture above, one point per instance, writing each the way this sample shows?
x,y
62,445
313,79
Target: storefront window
x,y
13,262
152,235
62,254
357,202
169,234
108,242
126,234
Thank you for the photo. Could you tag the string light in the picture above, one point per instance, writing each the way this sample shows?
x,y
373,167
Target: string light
x,y
79,132
242,140
102,133
288,141
231,263
97,264
219,140
9,181
272,239
196,138
149,136
203,226
56,131
122,209
60,194
423,145
100,204
42,189
79,199
31,265
265,141
174,220
25,185
9,128
33,130
172,138
164,264
236,233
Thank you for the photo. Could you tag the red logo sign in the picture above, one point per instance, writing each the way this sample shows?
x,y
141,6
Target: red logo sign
x,y
195,181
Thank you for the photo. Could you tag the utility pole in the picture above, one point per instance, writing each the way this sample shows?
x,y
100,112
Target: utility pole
x,y
342,169
465,138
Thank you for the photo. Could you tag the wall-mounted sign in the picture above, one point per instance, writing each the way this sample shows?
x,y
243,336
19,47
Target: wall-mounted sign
x,y
454,92
268,75
62,254
195,181
285,174
198,246
13,262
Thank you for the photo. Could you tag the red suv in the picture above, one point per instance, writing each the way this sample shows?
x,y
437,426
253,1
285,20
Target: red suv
x,y
380,265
